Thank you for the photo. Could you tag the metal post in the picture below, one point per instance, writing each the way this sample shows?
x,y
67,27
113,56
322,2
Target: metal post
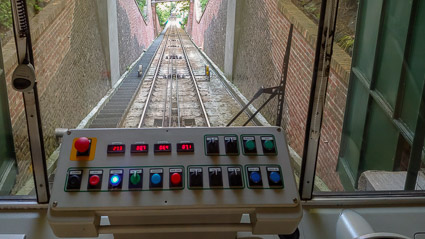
x,y
32,109
417,146
322,65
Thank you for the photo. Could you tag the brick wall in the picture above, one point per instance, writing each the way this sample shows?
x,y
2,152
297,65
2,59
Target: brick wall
x,y
210,32
134,33
71,74
261,36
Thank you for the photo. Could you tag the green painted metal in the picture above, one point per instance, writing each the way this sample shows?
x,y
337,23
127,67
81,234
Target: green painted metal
x,y
387,76
7,153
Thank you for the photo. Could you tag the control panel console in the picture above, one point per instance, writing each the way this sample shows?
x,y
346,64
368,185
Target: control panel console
x,y
244,170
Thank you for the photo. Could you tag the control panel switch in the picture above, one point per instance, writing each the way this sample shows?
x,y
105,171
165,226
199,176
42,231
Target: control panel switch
x,y
82,145
254,177
249,145
95,180
195,177
274,176
74,180
268,144
156,178
212,145
176,178
235,176
115,179
231,145
216,177
135,179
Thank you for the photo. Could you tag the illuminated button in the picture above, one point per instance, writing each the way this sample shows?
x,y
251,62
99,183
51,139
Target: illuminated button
x,y
254,177
135,179
249,145
115,179
82,145
176,179
274,176
268,145
156,178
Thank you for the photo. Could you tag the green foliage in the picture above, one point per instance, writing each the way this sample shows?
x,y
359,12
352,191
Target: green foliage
x,y
204,4
163,13
142,4
346,43
5,14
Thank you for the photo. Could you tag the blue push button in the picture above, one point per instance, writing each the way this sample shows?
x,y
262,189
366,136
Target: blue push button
x,y
255,177
156,179
275,177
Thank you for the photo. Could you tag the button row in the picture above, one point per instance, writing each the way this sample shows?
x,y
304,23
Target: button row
x,y
216,177
117,177
231,145
235,177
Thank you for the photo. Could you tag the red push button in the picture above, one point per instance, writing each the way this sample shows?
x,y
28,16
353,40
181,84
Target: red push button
x,y
176,179
94,180
82,144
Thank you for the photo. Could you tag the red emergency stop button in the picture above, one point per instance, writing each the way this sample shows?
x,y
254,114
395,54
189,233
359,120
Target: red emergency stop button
x,y
94,180
176,179
82,144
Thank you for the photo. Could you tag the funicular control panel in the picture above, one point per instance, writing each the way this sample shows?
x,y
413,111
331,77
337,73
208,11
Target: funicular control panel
x,y
154,181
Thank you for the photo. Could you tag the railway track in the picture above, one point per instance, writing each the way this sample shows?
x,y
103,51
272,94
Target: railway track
x,y
173,89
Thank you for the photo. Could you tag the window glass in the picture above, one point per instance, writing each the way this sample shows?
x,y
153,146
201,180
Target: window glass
x,y
382,102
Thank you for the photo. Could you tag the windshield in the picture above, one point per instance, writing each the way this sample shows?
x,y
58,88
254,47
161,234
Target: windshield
x,y
152,63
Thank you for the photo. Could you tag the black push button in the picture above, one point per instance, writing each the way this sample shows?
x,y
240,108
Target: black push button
x,y
74,180
274,176
195,177
249,145
268,144
135,179
254,177
216,177
235,177
213,147
231,145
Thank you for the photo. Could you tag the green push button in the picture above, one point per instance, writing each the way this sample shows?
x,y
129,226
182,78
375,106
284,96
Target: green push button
x,y
269,145
135,178
250,145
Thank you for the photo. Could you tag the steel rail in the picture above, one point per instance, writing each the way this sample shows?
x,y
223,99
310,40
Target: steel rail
x,y
153,84
194,80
